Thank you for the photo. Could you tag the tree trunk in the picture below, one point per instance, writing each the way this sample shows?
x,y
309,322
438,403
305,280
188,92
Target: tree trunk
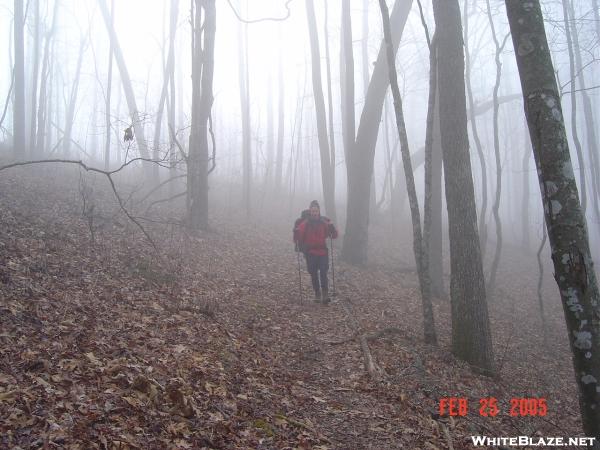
x,y
364,60
496,206
168,70
19,102
70,113
34,80
92,127
590,127
525,224
43,107
127,86
294,169
270,137
436,255
432,211
202,100
360,156
596,10
565,222
324,150
471,335
390,155
347,81
280,125
330,105
418,247
475,133
540,282
245,105
364,46
575,134
109,92
173,156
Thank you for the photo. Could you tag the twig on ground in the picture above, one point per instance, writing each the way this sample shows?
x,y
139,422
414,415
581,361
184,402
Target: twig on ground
x,y
374,371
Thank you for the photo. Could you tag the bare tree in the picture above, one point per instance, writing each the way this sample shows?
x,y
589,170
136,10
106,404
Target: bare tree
x,y
280,122
171,107
432,209
364,60
324,149
475,132
109,78
596,10
471,334
270,137
43,110
19,74
574,130
525,227
244,82
361,154
70,113
567,231
588,112
126,80
498,46
347,80
421,257
202,100
34,78
168,70
330,104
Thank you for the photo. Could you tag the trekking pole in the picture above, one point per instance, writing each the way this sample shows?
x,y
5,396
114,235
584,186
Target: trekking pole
x,y
300,278
332,269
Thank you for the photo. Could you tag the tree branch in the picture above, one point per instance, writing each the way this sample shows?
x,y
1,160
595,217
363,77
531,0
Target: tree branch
x,y
424,24
12,82
107,173
161,185
581,90
214,145
265,19
174,137
372,368
181,194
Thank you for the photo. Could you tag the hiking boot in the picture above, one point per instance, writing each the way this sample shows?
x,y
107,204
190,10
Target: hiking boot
x,y
326,298
317,297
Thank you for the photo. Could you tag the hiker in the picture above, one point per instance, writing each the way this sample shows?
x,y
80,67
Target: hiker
x,y
311,236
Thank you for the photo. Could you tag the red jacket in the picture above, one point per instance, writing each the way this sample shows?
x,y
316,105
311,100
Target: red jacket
x,y
311,235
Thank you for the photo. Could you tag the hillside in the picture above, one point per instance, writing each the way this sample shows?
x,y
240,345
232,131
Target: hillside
x,y
106,342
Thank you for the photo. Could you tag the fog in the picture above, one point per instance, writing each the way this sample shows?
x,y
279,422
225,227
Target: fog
x,y
142,29
244,111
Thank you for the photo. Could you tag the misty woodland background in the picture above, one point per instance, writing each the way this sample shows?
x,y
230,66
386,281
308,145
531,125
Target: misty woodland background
x,y
150,295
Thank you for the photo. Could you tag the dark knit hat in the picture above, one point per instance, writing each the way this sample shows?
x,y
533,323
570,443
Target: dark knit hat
x,y
315,203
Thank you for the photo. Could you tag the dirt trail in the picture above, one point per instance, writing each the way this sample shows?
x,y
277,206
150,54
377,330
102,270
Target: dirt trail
x,y
105,345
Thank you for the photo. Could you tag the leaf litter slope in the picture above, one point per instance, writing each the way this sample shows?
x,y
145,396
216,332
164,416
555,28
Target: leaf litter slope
x,y
103,344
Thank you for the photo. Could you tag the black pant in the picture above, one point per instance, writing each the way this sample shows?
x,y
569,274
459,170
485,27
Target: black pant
x,y
318,265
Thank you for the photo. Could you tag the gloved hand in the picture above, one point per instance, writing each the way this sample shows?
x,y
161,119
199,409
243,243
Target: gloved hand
x,y
330,228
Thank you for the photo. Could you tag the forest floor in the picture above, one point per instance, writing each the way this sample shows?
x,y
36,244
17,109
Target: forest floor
x,y
108,343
